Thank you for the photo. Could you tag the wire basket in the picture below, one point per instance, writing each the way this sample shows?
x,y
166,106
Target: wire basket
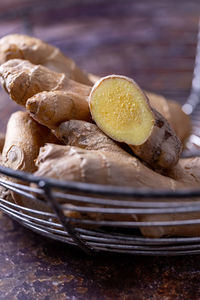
x,y
102,218
43,210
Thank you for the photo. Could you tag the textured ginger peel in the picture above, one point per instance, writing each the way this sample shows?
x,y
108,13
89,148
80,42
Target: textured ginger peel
x,y
23,140
24,137
99,167
88,136
122,111
50,97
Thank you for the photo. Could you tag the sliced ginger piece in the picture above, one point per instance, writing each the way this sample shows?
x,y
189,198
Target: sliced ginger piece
x,y
122,111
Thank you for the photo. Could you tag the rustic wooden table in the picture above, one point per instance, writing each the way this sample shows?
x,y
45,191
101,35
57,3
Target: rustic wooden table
x,y
153,42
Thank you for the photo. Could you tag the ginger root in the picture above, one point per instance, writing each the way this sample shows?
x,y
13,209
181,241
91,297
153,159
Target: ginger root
x,y
173,113
24,137
100,167
40,53
86,136
123,112
50,97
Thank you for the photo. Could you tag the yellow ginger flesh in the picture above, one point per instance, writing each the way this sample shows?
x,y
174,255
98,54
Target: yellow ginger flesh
x,y
121,110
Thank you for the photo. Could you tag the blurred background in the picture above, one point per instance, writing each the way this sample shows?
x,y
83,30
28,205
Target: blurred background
x,y
153,41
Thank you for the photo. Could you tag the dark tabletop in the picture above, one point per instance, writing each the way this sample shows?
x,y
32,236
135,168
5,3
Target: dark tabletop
x,y
152,41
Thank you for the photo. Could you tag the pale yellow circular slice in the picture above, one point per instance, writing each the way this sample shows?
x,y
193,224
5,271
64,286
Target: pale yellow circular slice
x,y
121,110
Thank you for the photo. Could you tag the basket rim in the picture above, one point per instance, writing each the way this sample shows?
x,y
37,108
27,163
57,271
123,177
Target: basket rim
x,y
91,188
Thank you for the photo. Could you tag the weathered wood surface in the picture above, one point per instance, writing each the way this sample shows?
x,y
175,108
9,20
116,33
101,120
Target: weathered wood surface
x,y
153,42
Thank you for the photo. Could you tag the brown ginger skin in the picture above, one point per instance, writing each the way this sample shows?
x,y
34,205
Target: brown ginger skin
x,y
163,148
88,136
187,170
99,167
40,53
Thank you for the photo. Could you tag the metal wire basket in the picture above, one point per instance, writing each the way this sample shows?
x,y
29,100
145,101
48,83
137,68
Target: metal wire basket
x,y
44,208
100,233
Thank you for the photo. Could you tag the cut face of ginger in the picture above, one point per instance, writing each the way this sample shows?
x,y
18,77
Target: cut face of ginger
x,y
121,110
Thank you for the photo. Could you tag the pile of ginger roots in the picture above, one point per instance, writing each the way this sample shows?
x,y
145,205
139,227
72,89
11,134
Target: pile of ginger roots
x,y
76,126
